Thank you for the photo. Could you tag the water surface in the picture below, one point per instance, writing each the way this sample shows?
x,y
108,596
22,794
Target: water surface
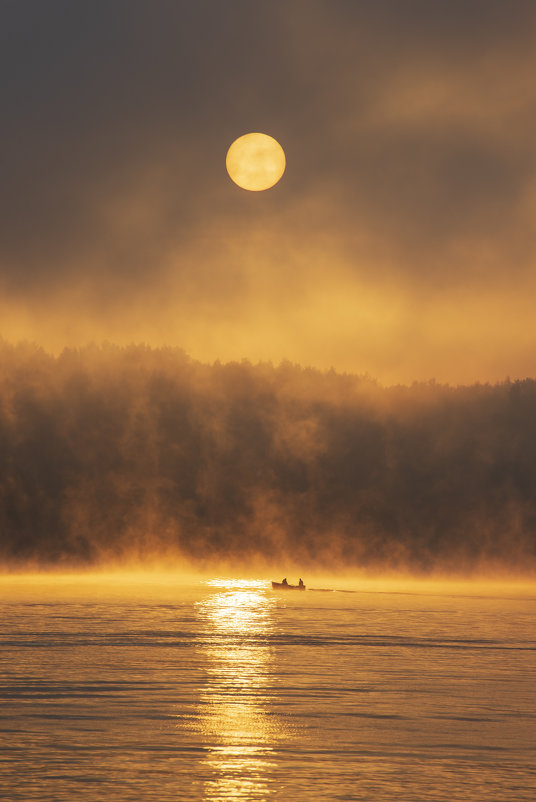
x,y
225,690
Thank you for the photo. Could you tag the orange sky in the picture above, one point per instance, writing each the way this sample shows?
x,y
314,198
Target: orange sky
x,y
400,241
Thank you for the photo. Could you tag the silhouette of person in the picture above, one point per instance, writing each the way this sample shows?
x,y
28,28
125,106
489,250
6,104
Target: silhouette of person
x,y
284,582
300,583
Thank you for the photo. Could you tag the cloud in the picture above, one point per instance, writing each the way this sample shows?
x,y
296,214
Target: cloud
x,y
403,229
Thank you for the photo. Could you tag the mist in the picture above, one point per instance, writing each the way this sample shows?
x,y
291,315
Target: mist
x,y
402,231
113,456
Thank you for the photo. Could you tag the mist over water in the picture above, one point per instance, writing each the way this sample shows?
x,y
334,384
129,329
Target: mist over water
x,y
111,455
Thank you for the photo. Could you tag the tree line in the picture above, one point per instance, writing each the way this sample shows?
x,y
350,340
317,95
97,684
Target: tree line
x,y
110,454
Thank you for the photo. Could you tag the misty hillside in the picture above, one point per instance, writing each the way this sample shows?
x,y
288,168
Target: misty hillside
x,y
110,453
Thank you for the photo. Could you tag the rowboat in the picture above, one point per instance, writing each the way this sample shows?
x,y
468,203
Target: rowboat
x,y
285,586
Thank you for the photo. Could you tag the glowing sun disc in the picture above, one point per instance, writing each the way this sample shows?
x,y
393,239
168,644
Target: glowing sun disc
x,y
255,161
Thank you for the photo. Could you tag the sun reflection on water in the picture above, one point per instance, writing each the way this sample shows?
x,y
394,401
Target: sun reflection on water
x,y
233,710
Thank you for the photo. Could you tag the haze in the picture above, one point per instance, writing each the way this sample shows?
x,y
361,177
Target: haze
x,y
400,242
337,371
143,456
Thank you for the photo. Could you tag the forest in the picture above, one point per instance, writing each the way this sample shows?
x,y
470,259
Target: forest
x,y
111,455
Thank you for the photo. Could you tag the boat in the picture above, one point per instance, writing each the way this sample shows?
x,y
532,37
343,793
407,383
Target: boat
x,y
284,585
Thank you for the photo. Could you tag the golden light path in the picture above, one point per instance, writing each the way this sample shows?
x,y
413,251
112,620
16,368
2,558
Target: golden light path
x,y
233,708
255,161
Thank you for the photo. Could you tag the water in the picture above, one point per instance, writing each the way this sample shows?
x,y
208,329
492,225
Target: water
x,y
122,690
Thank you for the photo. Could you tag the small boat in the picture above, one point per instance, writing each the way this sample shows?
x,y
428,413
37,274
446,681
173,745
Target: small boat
x,y
284,585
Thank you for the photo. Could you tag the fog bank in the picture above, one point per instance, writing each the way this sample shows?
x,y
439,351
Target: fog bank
x,y
111,455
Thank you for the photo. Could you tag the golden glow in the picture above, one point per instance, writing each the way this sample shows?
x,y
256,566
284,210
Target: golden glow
x,y
353,266
233,711
255,162
258,307
246,605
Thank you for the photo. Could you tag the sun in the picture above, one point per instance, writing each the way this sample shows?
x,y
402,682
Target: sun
x,y
255,161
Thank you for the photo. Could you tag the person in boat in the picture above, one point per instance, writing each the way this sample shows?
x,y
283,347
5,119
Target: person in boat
x,y
284,582
300,583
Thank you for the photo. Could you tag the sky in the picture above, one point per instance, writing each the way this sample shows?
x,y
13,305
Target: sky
x,y
399,243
